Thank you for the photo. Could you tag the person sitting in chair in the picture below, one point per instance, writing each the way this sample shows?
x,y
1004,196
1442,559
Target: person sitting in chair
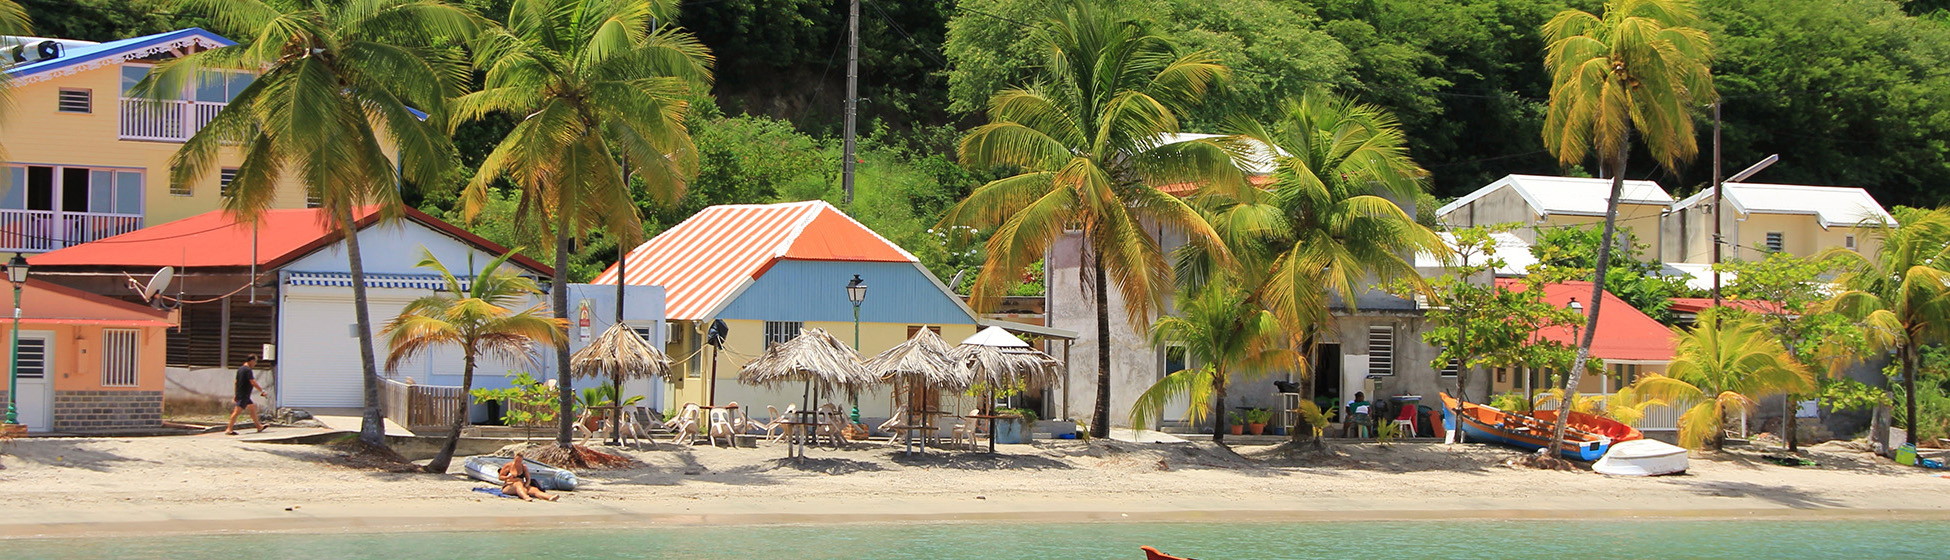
x,y
1358,415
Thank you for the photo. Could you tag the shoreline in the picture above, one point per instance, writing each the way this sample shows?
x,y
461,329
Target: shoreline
x,y
533,521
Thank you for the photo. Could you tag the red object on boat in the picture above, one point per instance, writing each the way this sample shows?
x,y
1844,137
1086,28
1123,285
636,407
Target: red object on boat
x,y
1153,554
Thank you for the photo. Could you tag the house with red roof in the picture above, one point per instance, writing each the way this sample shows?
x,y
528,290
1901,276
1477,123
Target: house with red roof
x,y
87,363
769,271
281,288
1629,342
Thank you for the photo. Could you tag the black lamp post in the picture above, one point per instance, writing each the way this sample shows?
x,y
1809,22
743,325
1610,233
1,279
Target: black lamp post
x,y
856,292
16,274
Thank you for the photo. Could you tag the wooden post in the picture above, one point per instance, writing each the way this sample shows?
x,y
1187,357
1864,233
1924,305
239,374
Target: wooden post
x,y
223,342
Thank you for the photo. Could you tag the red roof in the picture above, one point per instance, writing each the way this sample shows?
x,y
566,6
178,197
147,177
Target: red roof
x,y
1698,304
215,239
46,303
704,260
1624,333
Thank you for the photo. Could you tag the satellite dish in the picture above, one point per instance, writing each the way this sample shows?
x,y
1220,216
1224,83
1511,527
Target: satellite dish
x,y
157,283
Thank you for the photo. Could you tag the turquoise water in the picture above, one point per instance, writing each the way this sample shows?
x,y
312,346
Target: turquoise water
x,y
1421,540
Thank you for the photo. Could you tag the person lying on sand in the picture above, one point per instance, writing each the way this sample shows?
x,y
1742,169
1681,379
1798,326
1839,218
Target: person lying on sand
x,y
515,481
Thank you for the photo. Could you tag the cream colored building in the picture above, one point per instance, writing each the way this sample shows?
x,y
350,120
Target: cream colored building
x,y
1533,201
84,160
1801,220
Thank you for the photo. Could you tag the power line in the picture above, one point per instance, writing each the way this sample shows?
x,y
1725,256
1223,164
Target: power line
x,y
903,33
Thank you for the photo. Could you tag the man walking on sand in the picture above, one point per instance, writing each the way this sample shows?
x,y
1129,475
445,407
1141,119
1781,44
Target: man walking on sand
x,y
245,383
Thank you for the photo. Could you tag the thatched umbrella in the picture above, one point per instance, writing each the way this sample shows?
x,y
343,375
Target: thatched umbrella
x,y
923,362
995,358
815,358
623,355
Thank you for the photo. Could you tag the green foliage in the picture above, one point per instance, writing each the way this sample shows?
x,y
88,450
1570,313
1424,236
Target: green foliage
x,y
1258,416
1513,401
1028,415
1725,363
1932,393
1636,281
527,402
1849,394
1479,323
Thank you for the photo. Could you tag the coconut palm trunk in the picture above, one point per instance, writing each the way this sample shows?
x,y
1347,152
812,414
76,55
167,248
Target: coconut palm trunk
x,y
1597,299
1219,421
559,298
372,424
1909,390
445,458
1100,420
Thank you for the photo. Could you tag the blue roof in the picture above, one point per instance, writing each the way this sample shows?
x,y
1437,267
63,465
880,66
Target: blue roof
x,y
81,54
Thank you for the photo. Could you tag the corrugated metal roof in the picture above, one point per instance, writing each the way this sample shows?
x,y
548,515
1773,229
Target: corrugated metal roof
x,y
1833,206
1624,333
1566,195
1512,250
45,303
709,258
82,55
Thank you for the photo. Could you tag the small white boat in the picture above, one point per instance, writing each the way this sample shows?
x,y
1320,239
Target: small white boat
x,y
488,469
1642,457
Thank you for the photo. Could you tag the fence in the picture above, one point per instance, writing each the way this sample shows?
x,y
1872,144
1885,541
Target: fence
x,y
421,407
165,120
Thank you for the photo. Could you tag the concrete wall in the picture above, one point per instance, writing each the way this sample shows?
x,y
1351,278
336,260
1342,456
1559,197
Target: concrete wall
x,y
204,388
72,395
1689,234
1505,206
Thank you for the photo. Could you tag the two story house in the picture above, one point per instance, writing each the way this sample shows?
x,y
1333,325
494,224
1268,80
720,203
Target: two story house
x,y
1533,201
82,158
1801,220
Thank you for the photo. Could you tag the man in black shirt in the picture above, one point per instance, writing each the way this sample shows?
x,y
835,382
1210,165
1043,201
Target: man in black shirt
x,y
245,384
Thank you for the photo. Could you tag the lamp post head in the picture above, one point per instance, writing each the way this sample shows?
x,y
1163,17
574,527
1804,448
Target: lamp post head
x,y
1578,307
17,270
856,290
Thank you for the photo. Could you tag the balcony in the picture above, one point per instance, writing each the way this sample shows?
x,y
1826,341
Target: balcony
x,y
165,121
36,231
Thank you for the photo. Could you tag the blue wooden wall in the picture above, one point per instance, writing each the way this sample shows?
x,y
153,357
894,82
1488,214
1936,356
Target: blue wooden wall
x,y
816,291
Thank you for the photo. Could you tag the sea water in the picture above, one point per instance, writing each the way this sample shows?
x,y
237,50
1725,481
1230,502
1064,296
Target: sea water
x,y
1407,540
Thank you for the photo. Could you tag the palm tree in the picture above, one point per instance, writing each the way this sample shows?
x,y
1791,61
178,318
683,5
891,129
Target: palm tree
x,y
592,81
13,19
1723,364
1642,67
338,89
1902,294
1087,137
1224,332
479,318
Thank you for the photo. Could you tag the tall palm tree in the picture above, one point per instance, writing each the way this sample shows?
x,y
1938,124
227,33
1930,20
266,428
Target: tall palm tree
x,y
478,317
1641,67
593,81
1227,335
339,86
1902,294
1087,136
1723,364
13,19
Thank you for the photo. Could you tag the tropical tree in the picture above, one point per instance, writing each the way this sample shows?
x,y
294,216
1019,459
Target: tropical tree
x,y
13,19
340,85
479,317
1644,67
1226,335
601,89
1477,322
1722,365
1902,294
1788,294
1089,139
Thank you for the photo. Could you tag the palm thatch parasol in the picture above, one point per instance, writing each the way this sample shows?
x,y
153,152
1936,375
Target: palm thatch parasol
x,y
996,358
624,355
925,359
814,357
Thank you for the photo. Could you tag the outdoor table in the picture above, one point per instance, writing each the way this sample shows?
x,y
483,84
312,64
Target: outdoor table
x,y
797,431
991,418
908,445
931,420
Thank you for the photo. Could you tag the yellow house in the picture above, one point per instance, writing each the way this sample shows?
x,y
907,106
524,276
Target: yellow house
x,y
1801,220
1533,201
84,160
768,272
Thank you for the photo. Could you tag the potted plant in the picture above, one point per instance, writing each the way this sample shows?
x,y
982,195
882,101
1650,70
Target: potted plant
x,y
1256,420
1013,426
1237,424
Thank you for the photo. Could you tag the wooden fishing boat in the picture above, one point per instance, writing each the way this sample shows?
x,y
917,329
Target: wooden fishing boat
x,y
1153,554
1642,457
1586,437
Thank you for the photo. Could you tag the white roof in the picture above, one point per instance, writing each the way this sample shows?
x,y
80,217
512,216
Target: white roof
x,y
1833,206
1512,249
1701,274
1566,195
997,337
1260,164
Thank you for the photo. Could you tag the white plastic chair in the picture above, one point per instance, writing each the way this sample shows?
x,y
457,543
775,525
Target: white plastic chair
x,y
774,428
893,435
966,429
684,428
721,426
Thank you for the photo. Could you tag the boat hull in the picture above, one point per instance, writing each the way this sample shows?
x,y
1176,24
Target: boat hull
x,y
1642,458
1486,424
488,469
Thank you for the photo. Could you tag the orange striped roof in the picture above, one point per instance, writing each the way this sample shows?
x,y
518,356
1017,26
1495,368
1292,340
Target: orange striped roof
x,y
708,258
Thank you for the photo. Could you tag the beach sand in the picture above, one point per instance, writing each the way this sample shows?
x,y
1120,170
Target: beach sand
x,y
215,483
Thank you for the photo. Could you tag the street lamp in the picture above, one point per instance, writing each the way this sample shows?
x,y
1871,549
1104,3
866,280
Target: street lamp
x,y
16,274
1578,326
856,292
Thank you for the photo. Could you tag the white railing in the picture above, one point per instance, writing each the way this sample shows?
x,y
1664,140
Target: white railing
x,y
165,121
47,230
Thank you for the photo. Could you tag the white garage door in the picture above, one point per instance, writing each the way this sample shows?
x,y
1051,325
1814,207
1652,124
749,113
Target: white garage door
x,y
318,356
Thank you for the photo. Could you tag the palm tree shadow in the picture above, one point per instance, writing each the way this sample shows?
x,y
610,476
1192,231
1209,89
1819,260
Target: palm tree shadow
x,y
65,452
978,461
821,465
1783,495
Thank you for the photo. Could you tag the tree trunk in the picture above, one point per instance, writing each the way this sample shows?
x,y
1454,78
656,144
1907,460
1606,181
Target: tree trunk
x,y
1787,406
1597,298
446,455
1219,416
372,424
1307,436
559,293
1100,422
1909,391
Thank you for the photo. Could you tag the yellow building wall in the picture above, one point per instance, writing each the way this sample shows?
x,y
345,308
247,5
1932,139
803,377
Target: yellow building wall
x,y
1801,236
76,360
747,341
36,134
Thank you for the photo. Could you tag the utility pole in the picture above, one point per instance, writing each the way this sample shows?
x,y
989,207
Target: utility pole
x,y
852,96
1719,196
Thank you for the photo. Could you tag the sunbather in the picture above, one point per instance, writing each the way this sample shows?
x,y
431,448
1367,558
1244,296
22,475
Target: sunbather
x,y
515,481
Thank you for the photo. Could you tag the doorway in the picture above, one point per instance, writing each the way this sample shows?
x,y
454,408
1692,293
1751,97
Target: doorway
x,y
1327,380
36,399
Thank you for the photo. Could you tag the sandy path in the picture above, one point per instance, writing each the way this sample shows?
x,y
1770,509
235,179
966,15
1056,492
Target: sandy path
x,y
214,483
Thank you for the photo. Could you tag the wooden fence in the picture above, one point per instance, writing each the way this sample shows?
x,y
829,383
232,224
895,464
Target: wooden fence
x,y
421,407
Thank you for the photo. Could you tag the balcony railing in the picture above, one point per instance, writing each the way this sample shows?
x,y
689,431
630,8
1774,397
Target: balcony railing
x,y
47,230
165,121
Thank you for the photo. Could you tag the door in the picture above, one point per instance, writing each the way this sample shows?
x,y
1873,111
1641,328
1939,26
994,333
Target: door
x,y
36,400
1178,410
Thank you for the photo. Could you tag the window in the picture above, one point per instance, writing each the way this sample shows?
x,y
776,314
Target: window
x,y
1849,242
645,334
314,197
33,357
225,177
1502,375
74,189
779,332
1381,350
1773,242
119,351
1450,369
1175,359
70,100
915,329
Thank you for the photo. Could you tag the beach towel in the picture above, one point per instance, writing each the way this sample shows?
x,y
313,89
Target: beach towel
x,y
496,492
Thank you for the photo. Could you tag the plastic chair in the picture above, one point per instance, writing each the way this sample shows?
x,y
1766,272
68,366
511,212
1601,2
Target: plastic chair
x,y
966,430
772,429
721,425
887,427
685,427
1405,422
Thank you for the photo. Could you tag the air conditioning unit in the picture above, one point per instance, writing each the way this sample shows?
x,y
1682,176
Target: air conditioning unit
x,y
34,52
